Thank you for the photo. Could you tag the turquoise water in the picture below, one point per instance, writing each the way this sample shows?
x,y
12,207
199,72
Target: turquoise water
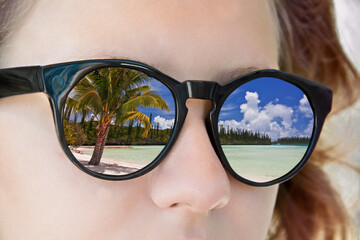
x,y
254,162
263,161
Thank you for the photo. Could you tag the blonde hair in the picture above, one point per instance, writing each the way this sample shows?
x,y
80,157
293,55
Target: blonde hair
x,y
307,206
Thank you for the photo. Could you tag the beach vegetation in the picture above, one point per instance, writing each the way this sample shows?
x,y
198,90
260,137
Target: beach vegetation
x,y
293,141
69,133
239,136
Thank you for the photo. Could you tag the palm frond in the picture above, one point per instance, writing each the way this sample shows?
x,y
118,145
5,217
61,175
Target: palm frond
x,y
71,106
89,100
138,117
148,99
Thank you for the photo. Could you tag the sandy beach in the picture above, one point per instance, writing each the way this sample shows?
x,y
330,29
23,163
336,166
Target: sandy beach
x,y
107,166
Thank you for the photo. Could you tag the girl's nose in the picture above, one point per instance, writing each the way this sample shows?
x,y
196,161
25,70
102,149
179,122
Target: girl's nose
x,y
191,176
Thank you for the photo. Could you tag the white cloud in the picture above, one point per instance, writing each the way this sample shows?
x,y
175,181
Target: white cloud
x,y
264,120
282,111
250,109
252,99
164,123
232,124
305,108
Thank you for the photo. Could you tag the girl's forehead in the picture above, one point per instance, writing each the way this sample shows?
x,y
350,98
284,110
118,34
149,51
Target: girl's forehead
x,y
184,39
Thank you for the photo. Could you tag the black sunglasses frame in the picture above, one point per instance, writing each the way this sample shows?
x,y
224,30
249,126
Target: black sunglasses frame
x,y
58,80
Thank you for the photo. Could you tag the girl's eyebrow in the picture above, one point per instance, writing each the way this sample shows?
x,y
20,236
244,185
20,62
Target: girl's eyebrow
x,y
227,76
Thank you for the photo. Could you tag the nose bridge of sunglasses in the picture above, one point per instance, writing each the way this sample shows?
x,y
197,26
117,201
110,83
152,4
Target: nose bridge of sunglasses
x,y
202,89
206,91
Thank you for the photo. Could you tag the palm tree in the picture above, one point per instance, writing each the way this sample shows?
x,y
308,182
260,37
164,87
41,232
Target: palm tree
x,y
112,96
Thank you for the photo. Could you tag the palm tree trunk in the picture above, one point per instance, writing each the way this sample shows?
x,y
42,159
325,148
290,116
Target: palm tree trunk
x,y
99,145
104,141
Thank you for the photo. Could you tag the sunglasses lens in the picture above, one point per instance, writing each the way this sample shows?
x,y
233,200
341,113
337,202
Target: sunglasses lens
x,y
117,120
265,127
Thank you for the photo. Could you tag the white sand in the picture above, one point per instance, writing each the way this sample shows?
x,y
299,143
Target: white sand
x,y
107,166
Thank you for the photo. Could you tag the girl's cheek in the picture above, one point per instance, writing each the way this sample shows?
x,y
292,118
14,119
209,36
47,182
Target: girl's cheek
x,y
41,190
249,212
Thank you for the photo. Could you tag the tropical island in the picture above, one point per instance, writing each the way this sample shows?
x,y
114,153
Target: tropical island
x,y
84,133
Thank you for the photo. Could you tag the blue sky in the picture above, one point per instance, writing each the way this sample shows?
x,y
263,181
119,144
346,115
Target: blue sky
x,y
268,105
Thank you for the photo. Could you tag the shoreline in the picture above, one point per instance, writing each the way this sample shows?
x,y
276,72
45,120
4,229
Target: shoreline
x,y
107,165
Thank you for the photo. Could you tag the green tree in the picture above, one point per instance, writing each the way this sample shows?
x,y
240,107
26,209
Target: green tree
x,y
80,137
69,133
74,134
113,96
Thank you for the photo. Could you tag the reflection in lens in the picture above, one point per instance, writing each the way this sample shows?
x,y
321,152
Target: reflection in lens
x,y
117,120
265,127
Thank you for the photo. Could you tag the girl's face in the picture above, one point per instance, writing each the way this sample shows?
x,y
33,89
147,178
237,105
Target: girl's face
x,y
189,195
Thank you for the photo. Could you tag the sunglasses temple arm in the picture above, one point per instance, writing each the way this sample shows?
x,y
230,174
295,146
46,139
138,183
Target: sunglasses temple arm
x,y
22,80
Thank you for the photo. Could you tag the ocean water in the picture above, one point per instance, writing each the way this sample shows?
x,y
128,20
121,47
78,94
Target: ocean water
x,y
255,162
263,162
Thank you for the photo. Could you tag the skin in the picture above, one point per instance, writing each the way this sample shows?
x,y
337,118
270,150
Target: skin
x,y
189,196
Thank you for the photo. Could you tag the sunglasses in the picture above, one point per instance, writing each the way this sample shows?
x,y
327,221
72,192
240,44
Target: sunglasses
x,y
118,119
